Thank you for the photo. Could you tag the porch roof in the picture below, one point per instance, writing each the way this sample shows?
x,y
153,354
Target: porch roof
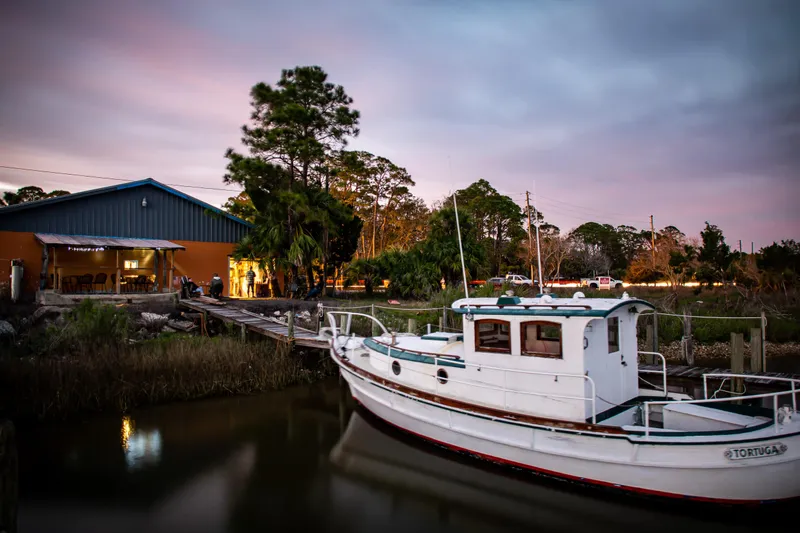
x,y
52,239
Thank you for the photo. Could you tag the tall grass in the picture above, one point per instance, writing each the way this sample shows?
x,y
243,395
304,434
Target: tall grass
x,y
89,363
163,370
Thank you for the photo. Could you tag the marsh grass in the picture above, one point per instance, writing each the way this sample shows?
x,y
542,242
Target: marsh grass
x,y
88,363
118,379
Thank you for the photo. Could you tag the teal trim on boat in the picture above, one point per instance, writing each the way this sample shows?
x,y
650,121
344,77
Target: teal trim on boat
x,y
565,312
397,353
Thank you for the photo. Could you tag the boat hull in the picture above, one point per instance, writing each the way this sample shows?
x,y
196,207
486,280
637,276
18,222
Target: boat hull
x,y
698,471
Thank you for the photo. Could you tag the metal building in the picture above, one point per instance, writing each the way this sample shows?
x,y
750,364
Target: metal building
x,y
138,236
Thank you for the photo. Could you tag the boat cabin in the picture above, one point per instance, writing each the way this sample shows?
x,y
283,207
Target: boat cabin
x,y
562,351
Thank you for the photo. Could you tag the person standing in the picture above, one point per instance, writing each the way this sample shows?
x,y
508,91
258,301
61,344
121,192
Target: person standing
x,y
251,281
216,287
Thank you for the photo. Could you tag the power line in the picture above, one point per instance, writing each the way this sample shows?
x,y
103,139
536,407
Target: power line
x,y
561,210
109,178
581,210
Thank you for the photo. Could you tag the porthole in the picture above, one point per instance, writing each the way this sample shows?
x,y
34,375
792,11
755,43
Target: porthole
x,y
396,368
441,376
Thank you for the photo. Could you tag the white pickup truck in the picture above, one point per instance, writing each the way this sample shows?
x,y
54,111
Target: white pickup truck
x,y
514,279
602,282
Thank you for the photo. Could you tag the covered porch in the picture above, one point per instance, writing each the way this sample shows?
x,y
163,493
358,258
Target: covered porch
x,y
80,265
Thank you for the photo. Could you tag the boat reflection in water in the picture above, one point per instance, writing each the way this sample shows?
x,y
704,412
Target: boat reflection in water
x,y
396,474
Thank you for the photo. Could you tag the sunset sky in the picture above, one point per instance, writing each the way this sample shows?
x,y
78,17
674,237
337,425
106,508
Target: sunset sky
x,y
685,109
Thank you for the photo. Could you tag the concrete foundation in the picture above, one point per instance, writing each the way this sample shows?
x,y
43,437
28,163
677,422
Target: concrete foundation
x,y
49,297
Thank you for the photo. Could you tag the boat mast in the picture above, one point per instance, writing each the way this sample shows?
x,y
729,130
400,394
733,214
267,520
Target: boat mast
x,y
461,252
538,249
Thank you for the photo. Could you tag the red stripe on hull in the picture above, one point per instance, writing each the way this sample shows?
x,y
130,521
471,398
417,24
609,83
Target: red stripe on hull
x,y
561,475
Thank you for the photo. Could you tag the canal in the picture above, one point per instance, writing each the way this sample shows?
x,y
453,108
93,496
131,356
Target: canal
x,y
304,459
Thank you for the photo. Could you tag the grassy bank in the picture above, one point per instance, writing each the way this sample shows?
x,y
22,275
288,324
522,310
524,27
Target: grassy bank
x,y
159,371
88,363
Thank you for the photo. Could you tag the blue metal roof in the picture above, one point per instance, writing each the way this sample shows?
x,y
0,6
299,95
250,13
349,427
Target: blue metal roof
x,y
128,185
121,211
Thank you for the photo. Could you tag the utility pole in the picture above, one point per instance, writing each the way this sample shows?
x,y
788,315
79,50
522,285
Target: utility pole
x,y
752,248
740,246
653,240
530,237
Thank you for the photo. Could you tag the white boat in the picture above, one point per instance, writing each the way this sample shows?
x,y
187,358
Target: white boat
x,y
373,465
552,385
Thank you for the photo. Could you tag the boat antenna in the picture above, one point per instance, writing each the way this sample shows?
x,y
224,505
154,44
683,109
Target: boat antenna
x,y
538,249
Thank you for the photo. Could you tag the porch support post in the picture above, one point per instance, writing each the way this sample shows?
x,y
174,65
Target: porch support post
x,y
45,269
172,271
56,277
165,283
155,270
119,275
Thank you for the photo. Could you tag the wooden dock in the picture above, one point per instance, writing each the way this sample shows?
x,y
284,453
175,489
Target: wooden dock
x,y
256,323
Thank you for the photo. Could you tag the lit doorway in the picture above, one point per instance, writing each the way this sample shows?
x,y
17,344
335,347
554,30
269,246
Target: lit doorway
x,y
237,275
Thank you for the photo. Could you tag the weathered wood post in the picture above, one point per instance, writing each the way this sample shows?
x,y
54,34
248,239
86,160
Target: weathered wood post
x,y
441,320
56,282
648,342
243,333
737,360
687,338
444,317
763,341
118,282
155,271
755,350
9,480
172,271
375,329
290,323
655,331
412,325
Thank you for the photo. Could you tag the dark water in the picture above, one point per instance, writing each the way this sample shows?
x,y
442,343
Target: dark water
x,y
304,460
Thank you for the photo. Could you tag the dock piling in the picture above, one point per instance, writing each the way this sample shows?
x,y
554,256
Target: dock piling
x,y
737,361
755,350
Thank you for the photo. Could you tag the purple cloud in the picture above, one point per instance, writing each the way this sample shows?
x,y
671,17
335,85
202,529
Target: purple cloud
x,y
685,109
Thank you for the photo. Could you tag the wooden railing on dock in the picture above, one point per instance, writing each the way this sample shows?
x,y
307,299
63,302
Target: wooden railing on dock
x,y
256,323
696,373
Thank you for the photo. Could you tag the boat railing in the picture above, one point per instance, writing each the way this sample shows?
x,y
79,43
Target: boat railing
x,y
449,359
795,387
348,322
663,370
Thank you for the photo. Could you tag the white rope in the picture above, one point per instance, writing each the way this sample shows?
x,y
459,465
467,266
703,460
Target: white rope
x,y
407,308
334,307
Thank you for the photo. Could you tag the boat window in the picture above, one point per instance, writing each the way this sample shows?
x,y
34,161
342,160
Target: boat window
x,y
541,339
613,334
492,336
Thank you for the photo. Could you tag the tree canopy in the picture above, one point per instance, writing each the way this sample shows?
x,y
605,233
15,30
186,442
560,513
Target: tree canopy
x,y
317,206
29,193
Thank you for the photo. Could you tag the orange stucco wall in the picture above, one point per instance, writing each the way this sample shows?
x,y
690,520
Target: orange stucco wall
x,y
200,260
17,245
